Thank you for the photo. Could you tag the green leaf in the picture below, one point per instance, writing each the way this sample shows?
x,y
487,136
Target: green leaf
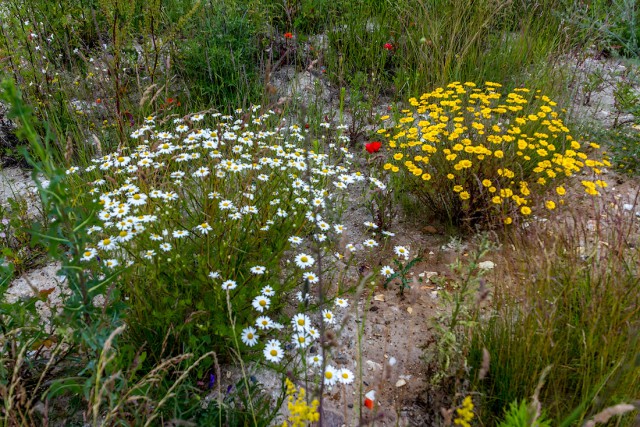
x,y
71,385
412,263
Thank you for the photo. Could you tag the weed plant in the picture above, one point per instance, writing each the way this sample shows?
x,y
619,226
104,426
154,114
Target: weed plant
x,y
15,247
575,310
614,24
622,146
414,46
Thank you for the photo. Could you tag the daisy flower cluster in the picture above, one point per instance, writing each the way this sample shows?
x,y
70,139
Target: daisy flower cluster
x,y
224,209
481,154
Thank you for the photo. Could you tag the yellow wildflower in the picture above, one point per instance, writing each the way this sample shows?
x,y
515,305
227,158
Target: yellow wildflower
x,y
464,413
301,413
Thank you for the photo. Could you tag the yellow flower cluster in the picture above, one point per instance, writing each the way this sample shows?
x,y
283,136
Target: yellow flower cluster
x,y
300,412
495,151
464,413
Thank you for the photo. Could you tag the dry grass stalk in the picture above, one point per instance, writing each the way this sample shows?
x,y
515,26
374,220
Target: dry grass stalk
x,y
606,414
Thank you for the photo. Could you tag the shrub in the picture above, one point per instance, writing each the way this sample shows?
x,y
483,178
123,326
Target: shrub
x,y
475,156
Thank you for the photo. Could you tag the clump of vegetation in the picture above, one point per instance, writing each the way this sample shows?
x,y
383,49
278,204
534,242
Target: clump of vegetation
x,y
622,147
208,229
475,156
200,221
575,307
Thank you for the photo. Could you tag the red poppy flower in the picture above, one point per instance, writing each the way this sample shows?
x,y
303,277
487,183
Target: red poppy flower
x,y
288,35
373,147
388,46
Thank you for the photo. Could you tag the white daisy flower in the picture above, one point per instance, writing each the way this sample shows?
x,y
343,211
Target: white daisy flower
x,y
401,251
313,333
261,303
258,269
201,172
268,291
318,202
304,260
387,271
330,375
301,322
315,360
149,254
121,160
370,224
327,316
178,234
170,196
89,254
228,285
370,243
111,263
295,240
342,302
273,351
165,246
300,340
138,199
311,277
226,205
345,376
249,336
107,244
124,236
204,228
264,322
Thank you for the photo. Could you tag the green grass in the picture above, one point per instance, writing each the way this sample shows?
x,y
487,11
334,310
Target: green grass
x,y
573,310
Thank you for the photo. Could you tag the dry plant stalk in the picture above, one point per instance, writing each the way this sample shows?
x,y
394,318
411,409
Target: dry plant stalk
x,y
606,414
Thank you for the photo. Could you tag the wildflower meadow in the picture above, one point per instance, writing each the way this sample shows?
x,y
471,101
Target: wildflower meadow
x,y
319,213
